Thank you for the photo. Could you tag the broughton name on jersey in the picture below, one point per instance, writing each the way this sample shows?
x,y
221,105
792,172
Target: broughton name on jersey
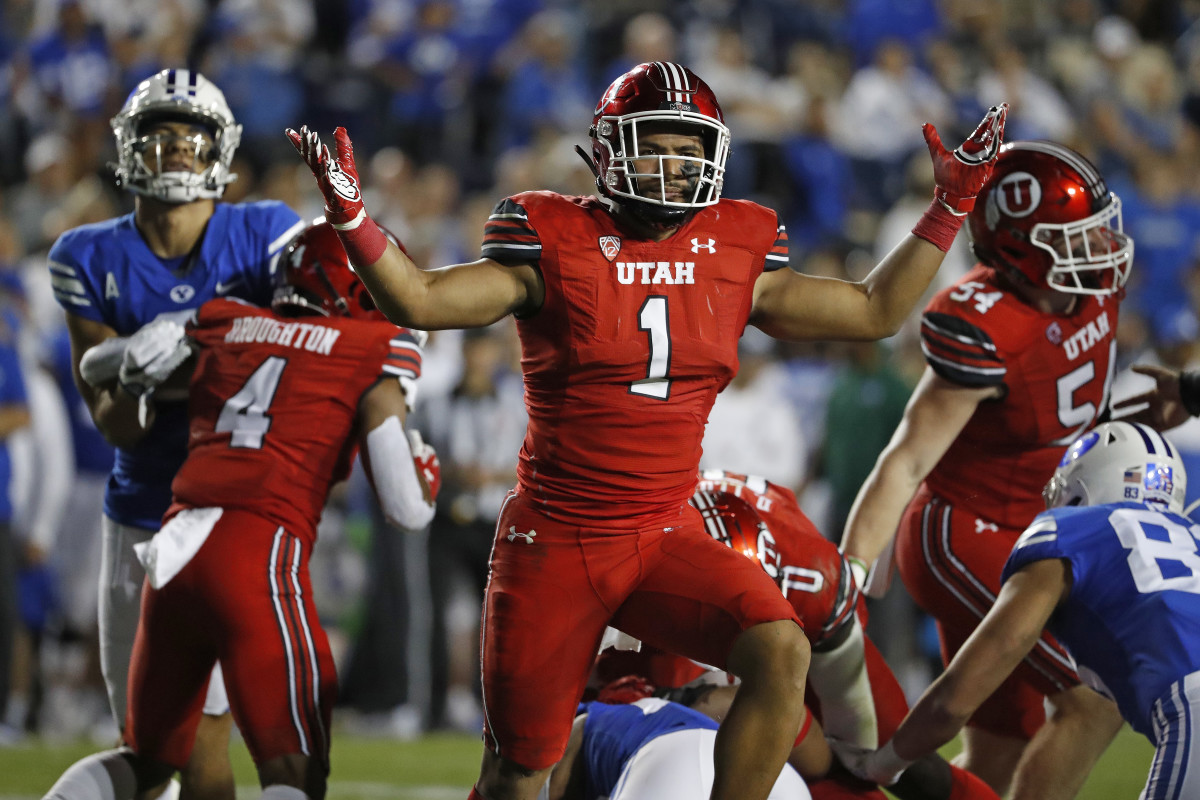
x,y
300,335
655,272
1082,340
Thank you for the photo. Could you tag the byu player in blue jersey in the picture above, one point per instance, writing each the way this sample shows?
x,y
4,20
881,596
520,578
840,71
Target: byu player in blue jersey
x,y
1113,570
175,139
623,748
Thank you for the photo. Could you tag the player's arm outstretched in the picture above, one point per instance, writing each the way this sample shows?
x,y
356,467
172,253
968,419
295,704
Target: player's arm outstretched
x,y
116,375
1006,635
935,415
404,471
789,305
459,296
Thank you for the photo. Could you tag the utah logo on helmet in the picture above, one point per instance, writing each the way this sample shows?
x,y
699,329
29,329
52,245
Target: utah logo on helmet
x,y
1047,219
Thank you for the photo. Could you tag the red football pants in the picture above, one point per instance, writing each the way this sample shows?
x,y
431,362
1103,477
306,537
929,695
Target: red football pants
x,y
553,588
244,599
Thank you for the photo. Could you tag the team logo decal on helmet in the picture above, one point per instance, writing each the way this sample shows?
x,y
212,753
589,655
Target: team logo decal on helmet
x,y
1018,195
1119,462
1047,219
732,521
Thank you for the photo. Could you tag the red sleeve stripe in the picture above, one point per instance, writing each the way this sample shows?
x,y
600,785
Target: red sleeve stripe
x,y
408,361
399,373
960,352
778,256
508,235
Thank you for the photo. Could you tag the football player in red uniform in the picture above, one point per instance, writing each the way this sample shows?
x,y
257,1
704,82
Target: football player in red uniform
x,y
1020,358
279,403
629,306
850,687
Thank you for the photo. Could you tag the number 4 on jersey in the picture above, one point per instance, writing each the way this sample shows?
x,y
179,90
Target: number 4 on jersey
x,y
245,414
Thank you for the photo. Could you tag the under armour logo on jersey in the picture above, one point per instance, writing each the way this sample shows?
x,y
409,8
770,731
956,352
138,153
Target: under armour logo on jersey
x,y
514,534
182,293
110,287
610,246
982,525
710,245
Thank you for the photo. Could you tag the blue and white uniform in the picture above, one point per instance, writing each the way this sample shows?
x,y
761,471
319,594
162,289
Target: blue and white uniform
x,y
106,273
1132,622
657,750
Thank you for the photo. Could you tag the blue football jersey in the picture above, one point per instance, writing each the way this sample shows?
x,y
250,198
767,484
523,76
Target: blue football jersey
x,y
613,733
105,272
1132,619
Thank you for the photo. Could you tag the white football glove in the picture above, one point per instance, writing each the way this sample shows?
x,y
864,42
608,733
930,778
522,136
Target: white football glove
x,y
153,353
880,766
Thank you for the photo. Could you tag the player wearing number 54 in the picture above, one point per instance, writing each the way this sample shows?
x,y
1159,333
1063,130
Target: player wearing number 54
x,y
629,306
1019,361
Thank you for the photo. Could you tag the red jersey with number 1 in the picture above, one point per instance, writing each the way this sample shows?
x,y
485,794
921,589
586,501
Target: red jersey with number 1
x,y
624,359
273,404
1055,371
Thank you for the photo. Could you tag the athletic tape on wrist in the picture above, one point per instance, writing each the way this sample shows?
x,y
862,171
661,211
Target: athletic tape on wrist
x,y
938,226
363,240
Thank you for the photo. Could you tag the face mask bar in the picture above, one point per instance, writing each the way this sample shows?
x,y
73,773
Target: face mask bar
x,y
705,176
1090,256
157,146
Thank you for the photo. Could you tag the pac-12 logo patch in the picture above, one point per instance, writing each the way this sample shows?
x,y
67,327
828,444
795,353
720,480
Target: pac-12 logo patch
x,y
610,246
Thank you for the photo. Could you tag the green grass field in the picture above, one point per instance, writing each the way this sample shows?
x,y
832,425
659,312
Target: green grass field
x,y
443,766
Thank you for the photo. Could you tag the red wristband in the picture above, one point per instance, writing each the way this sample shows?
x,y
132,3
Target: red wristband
x,y
805,727
938,226
364,242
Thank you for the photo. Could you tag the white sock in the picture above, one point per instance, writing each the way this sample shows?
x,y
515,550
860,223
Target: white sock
x,y
280,791
103,776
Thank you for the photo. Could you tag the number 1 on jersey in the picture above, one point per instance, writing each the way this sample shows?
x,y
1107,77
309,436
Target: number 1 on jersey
x,y
654,319
245,414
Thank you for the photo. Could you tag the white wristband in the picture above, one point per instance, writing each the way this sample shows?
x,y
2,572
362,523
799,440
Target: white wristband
x,y
400,494
885,766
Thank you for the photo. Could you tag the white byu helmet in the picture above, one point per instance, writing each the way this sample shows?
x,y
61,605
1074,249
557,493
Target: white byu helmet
x,y
175,95
1118,462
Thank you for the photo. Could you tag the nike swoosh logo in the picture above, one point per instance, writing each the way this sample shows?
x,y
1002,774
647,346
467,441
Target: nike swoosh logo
x,y
224,288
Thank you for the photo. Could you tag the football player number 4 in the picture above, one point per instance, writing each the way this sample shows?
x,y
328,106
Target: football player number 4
x,y
245,414
653,318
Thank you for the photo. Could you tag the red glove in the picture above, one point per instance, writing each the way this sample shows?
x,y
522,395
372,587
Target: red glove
x,y
425,459
961,174
337,178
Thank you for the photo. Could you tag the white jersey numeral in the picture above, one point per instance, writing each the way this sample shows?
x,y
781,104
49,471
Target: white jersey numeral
x,y
654,319
1079,417
1149,555
245,414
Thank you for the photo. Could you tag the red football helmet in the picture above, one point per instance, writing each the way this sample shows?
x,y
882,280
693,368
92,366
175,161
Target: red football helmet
x,y
732,521
314,274
1047,215
658,93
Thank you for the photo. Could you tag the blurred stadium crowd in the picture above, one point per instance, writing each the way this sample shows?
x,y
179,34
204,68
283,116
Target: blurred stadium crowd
x,y
454,104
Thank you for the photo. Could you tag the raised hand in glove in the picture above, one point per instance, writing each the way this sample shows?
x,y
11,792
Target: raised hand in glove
x,y
337,178
961,173
336,175
151,355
